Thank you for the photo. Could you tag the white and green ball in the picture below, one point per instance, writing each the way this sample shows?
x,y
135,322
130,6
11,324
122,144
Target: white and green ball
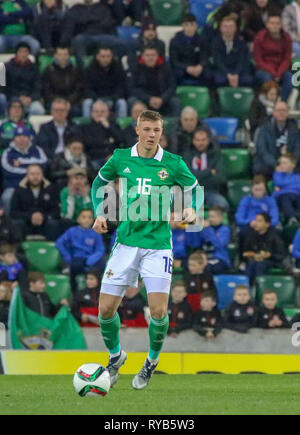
x,y
91,380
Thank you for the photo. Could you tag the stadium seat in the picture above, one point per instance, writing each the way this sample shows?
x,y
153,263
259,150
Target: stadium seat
x,y
236,190
169,124
124,122
202,8
224,129
235,102
42,256
58,287
128,32
45,60
291,312
289,232
80,120
167,12
166,33
283,285
195,96
37,120
237,163
225,285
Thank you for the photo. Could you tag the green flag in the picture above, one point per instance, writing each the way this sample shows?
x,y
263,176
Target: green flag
x,y
30,330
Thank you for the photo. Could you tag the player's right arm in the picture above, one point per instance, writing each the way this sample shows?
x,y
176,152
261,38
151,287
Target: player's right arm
x,y
105,175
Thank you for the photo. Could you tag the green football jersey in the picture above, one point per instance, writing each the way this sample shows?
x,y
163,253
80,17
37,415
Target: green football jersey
x,y
146,194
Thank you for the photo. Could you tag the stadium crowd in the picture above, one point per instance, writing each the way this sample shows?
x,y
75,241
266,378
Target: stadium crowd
x,y
74,90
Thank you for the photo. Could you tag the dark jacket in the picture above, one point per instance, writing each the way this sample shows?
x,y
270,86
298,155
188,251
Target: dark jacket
x,y
4,311
204,321
180,316
104,82
265,315
139,46
39,302
269,242
235,62
181,140
130,135
255,19
60,165
62,82
48,23
84,300
24,203
239,317
22,79
211,182
9,232
131,307
196,285
47,137
23,12
258,115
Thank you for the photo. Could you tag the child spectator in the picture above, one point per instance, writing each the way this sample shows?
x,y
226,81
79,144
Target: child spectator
x,y
80,247
269,315
180,313
85,305
198,279
241,314
296,248
180,252
263,248
131,309
5,296
207,321
10,267
287,188
35,297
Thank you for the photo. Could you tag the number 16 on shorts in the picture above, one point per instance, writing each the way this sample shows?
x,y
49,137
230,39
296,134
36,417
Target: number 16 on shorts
x,y
168,264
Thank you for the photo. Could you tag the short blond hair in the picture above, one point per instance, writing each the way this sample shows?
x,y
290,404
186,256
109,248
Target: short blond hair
x,y
150,115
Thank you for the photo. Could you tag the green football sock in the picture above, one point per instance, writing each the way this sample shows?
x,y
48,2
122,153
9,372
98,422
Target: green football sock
x,y
158,329
110,333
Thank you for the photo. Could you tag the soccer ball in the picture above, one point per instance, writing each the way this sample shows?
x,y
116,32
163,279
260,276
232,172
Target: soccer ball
x,y
91,380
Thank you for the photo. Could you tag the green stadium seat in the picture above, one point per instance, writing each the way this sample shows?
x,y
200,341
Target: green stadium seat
x,y
169,124
289,232
80,282
167,12
87,61
291,312
236,190
45,60
235,102
237,163
283,285
80,120
58,287
196,97
124,122
42,256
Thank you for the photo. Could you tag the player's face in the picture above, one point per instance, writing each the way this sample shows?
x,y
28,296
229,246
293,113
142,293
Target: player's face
x,y
34,176
242,297
270,301
178,294
207,304
149,133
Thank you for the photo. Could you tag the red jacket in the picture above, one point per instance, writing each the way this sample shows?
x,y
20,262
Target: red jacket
x,y
273,56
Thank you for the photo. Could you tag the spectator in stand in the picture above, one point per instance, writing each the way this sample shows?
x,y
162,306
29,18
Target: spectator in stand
x,y
182,136
48,21
15,161
10,266
179,310
263,248
53,134
198,279
263,106
255,17
287,188
291,24
105,80
73,156
14,15
5,297
130,135
90,24
15,118
231,59
207,321
296,248
179,243
132,309
128,12
76,196
269,315
63,79
35,297
241,314
152,82
34,205
10,234
23,80
148,37
189,55
101,136
276,136
86,301
206,163
273,53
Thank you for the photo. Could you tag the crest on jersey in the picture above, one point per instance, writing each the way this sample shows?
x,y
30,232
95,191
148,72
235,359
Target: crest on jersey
x,y
163,174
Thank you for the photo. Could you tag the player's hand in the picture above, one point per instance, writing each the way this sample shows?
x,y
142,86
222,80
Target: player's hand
x,y
189,216
100,225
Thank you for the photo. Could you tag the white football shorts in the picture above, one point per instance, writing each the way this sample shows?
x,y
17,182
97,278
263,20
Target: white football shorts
x,y
126,263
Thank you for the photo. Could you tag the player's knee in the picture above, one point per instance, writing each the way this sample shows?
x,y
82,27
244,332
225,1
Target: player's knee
x,y
158,312
106,311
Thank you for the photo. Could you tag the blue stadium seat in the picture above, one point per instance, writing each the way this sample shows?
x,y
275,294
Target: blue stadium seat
x,y
128,32
225,288
202,8
224,128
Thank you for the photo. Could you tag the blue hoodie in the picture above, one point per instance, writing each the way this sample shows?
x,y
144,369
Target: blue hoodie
x,y
296,245
78,242
249,207
288,183
179,243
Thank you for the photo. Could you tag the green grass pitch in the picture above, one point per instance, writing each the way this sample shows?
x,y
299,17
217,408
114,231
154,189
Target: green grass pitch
x,y
166,394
